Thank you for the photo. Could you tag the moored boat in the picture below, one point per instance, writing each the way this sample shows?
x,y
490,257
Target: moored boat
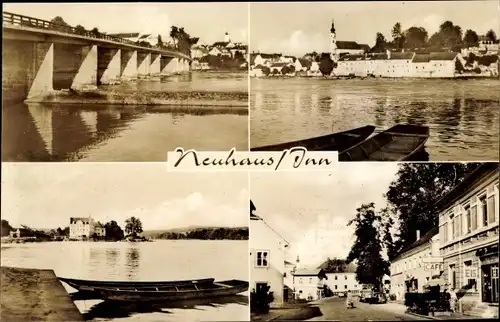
x,y
399,143
332,142
90,286
174,292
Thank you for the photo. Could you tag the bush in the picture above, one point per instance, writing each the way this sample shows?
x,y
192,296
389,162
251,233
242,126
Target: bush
x,y
259,301
392,297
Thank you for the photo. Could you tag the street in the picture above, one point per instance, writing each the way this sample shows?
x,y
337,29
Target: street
x,y
335,309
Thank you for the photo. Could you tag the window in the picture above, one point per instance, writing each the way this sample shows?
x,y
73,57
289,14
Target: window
x,y
335,277
470,274
346,277
484,211
310,280
491,209
301,281
335,286
474,218
260,287
468,219
262,258
453,277
445,233
345,287
355,286
453,226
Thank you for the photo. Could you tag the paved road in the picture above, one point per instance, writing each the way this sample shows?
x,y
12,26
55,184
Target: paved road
x,y
334,309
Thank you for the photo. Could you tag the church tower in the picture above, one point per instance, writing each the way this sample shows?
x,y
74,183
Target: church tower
x,y
227,38
333,43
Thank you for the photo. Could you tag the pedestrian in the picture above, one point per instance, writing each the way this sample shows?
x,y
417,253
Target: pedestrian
x,y
453,300
349,301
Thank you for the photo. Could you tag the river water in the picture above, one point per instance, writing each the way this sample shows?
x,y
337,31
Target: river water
x,y
88,132
463,115
161,260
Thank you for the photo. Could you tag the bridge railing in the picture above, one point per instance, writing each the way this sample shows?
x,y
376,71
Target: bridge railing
x,y
20,20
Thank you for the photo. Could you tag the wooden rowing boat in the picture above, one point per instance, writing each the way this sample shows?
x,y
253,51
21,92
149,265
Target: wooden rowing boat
x,y
332,142
90,286
399,143
174,292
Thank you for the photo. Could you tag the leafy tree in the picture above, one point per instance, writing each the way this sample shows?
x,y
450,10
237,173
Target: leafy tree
x,y
491,35
367,249
326,65
79,29
5,228
133,226
412,196
59,21
266,70
398,37
285,70
380,43
449,35
113,231
415,37
95,31
470,38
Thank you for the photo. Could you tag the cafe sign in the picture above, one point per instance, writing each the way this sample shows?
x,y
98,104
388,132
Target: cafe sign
x,y
433,264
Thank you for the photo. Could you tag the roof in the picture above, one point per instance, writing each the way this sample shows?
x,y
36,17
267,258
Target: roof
x,y
307,272
279,64
424,239
443,56
405,55
421,58
473,177
348,45
288,263
268,56
85,220
220,44
352,57
259,66
305,62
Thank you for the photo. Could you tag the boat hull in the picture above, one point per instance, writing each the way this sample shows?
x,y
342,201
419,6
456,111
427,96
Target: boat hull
x,y
91,286
217,289
333,142
399,143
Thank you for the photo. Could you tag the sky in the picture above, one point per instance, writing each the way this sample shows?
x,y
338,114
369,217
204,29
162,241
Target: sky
x,y
298,28
45,196
311,209
209,21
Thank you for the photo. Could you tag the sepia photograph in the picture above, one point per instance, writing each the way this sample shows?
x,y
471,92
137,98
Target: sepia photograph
x,y
374,241
123,242
123,81
377,81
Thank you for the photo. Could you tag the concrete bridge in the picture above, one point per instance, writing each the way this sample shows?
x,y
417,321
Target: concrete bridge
x,y
40,57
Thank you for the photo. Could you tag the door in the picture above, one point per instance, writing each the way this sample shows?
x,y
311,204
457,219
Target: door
x,y
490,282
494,283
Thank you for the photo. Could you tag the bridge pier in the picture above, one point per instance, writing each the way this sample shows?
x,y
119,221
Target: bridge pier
x,y
86,76
143,64
40,75
108,65
128,64
155,67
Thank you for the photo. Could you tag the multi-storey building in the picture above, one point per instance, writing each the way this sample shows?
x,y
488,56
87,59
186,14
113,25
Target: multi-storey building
x,y
268,254
85,227
468,228
309,284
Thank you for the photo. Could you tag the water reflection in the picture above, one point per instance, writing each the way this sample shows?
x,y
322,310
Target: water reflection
x,y
112,257
113,310
37,132
133,261
463,117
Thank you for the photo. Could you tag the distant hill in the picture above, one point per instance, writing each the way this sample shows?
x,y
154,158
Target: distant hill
x,y
198,232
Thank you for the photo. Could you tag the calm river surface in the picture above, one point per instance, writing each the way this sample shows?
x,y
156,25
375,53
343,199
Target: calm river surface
x,y
161,260
463,115
87,132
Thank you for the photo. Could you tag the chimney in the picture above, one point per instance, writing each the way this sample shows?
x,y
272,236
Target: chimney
x,y
418,234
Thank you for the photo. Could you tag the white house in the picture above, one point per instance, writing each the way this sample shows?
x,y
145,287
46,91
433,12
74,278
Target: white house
x,y
343,282
267,254
417,265
152,39
309,284
302,64
85,227
314,69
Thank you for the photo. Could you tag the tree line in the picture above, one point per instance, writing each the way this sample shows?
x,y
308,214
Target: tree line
x,y
207,234
411,199
133,227
448,36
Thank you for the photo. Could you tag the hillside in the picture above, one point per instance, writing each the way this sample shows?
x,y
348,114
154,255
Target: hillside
x,y
203,233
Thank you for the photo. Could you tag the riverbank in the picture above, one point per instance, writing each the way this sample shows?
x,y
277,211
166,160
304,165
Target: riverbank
x,y
183,101
35,295
288,312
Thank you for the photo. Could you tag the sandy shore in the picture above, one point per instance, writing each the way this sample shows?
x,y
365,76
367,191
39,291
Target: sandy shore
x,y
35,295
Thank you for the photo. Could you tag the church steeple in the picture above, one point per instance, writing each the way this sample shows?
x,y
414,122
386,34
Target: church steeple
x,y
332,30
